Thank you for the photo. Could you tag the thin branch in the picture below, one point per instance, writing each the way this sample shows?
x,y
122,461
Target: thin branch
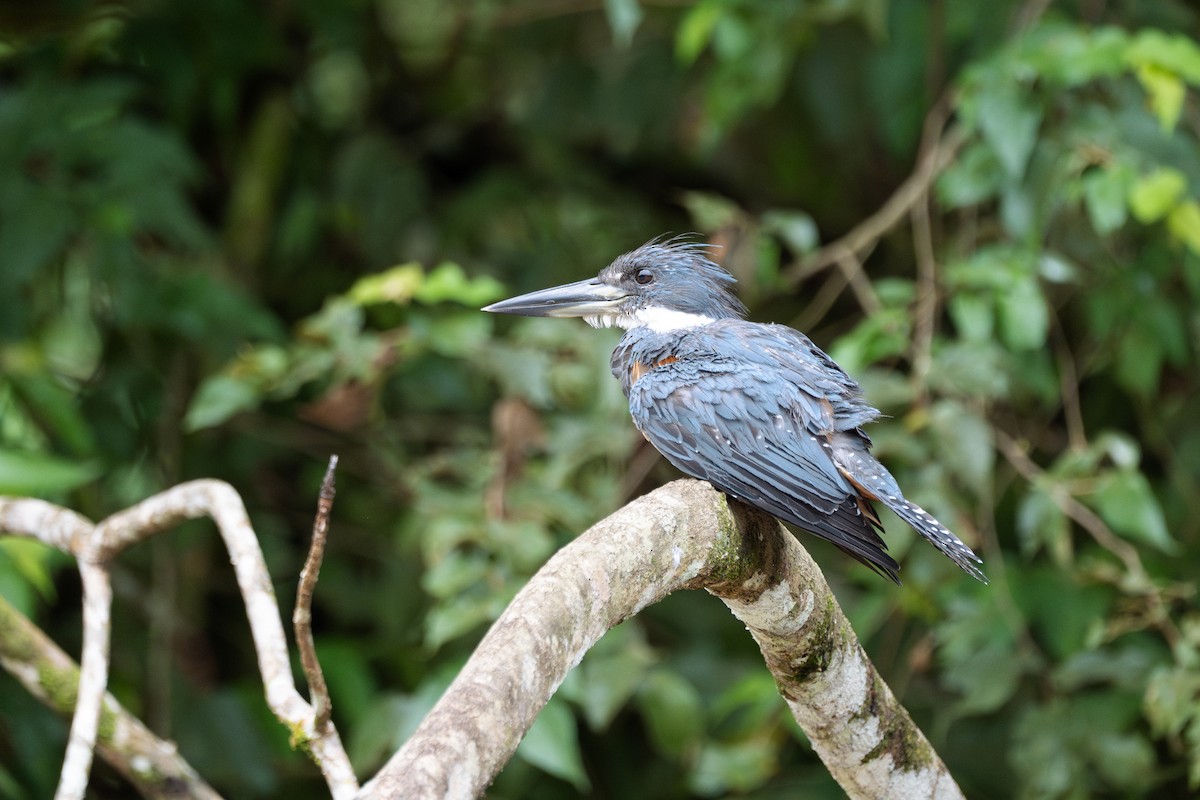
x,y
93,678
1067,503
860,285
52,676
930,164
206,498
1068,377
302,615
927,296
683,535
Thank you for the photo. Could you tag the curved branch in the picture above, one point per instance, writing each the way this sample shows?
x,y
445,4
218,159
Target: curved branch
x,y
683,535
123,741
95,545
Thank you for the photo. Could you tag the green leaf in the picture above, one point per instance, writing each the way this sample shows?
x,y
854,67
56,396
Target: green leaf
x,y
610,674
448,283
1009,121
711,211
696,31
1139,360
1024,317
964,443
739,767
624,17
1153,196
1177,53
219,398
396,285
56,410
1127,503
552,745
987,678
673,710
26,473
1166,92
972,178
797,229
1184,224
34,562
1104,195
1172,697
1126,760
973,314
1041,523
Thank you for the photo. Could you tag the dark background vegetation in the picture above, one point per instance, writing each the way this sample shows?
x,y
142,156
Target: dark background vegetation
x,y
236,237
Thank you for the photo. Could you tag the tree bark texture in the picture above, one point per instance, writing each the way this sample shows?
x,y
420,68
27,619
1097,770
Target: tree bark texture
x,y
684,535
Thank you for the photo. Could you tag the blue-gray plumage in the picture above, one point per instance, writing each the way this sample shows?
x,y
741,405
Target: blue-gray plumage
x,y
757,410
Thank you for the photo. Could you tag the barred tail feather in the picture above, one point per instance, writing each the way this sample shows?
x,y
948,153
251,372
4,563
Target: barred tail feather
x,y
938,535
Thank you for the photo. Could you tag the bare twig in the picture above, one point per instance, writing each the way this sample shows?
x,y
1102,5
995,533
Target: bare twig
x,y
683,535
1137,581
1068,378
95,545
864,293
1086,518
302,615
863,236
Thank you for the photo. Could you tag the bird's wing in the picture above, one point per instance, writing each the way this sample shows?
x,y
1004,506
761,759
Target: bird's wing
x,y
757,436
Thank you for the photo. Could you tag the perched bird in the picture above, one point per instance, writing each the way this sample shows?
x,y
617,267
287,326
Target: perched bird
x,y
756,409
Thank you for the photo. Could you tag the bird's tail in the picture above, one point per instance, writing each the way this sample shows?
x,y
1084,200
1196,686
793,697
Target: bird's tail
x,y
874,482
938,535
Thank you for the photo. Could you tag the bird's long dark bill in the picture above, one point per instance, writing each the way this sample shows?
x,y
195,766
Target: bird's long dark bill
x,y
579,299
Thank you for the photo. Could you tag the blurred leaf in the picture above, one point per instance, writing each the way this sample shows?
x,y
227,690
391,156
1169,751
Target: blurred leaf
x,y
973,314
797,229
1153,196
26,473
396,285
33,562
711,211
964,443
1126,502
696,29
988,678
1174,52
56,410
879,336
1041,523
1166,92
610,674
1126,666
741,766
552,745
447,283
1024,318
973,177
624,17
673,710
1126,760
218,398
1105,192
1184,224
1009,120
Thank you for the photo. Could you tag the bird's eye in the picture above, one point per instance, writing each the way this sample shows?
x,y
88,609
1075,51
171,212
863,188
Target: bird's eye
x,y
644,276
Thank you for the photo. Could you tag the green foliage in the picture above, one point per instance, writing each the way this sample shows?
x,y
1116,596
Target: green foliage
x,y
234,241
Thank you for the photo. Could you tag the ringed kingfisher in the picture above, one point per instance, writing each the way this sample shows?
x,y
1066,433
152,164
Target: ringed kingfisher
x,y
757,410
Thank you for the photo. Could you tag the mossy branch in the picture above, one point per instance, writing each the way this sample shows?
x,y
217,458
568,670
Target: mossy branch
x,y
682,536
